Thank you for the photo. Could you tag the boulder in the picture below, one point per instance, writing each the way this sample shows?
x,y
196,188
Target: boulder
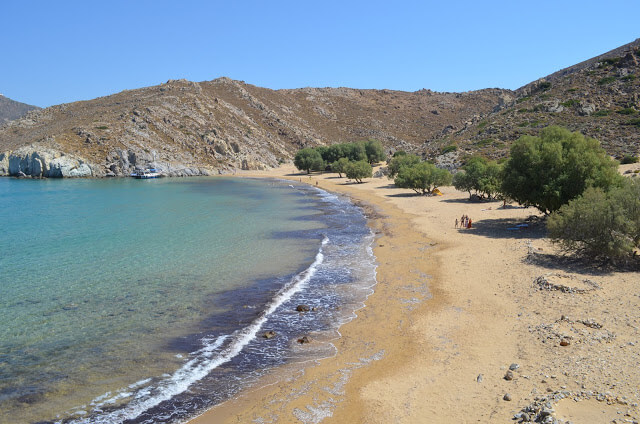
x,y
303,308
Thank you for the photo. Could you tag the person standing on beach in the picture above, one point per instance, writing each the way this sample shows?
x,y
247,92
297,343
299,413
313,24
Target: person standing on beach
x,y
456,222
469,223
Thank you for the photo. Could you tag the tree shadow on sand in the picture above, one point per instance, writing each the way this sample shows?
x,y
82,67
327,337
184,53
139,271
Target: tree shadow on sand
x,y
578,264
508,228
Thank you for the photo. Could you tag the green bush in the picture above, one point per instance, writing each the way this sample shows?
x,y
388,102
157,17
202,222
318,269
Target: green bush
x,y
606,80
422,177
627,111
627,159
635,122
570,103
555,167
602,112
545,85
600,224
612,60
448,149
484,142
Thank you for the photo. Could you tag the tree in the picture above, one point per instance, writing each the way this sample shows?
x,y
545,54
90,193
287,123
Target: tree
x,y
399,161
557,166
308,159
463,181
340,166
481,175
599,224
422,177
359,170
374,151
354,151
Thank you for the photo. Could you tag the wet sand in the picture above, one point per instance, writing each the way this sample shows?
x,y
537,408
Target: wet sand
x,y
452,311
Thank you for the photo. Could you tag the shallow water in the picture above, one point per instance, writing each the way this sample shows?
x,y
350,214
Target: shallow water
x,y
118,295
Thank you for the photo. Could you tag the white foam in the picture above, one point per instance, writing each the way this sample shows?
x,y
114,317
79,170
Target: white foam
x,y
204,360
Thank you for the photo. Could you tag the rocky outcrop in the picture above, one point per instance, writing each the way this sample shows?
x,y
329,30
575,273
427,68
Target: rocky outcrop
x,y
44,163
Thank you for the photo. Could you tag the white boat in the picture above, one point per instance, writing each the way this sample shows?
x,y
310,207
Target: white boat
x,y
146,174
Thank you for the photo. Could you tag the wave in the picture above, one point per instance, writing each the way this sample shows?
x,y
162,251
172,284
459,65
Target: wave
x,y
206,359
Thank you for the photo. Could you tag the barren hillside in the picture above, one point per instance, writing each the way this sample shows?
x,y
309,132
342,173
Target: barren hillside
x,y
598,97
225,124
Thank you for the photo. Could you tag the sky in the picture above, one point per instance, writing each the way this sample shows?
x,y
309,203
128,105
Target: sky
x,y
61,51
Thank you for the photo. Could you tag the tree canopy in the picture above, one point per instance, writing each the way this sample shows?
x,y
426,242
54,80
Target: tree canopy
x,y
422,177
308,159
480,175
555,167
340,166
401,160
359,170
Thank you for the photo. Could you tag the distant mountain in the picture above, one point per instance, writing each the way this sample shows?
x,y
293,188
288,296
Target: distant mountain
x,y
188,128
10,109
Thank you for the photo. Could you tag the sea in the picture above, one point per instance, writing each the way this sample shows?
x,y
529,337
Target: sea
x,y
147,301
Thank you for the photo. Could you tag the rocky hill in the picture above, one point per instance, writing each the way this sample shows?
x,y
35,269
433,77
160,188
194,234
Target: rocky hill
x,y
216,126
189,128
599,97
10,109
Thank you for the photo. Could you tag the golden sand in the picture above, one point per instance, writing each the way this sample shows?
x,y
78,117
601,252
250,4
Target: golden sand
x,y
452,311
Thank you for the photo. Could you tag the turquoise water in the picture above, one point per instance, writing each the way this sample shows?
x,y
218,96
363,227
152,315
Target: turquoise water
x,y
114,292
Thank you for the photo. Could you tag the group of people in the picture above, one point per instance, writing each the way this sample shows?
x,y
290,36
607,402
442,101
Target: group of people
x,y
465,222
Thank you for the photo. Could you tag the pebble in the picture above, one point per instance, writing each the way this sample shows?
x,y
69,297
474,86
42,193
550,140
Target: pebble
x,y
509,375
507,397
514,367
479,378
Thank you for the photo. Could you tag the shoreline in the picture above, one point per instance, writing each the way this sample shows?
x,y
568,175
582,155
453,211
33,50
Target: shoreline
x,y
452,311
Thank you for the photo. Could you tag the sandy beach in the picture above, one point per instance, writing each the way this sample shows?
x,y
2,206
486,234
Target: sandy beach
x,y
454,309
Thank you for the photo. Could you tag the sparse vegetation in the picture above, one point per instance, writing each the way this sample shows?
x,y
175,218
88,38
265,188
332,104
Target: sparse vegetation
x,y
627,111
448,149
628,159
484,142
601,112
606,80
102,127
570,103
544,85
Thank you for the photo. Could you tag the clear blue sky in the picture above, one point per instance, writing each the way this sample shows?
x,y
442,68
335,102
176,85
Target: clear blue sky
x,y
62,51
